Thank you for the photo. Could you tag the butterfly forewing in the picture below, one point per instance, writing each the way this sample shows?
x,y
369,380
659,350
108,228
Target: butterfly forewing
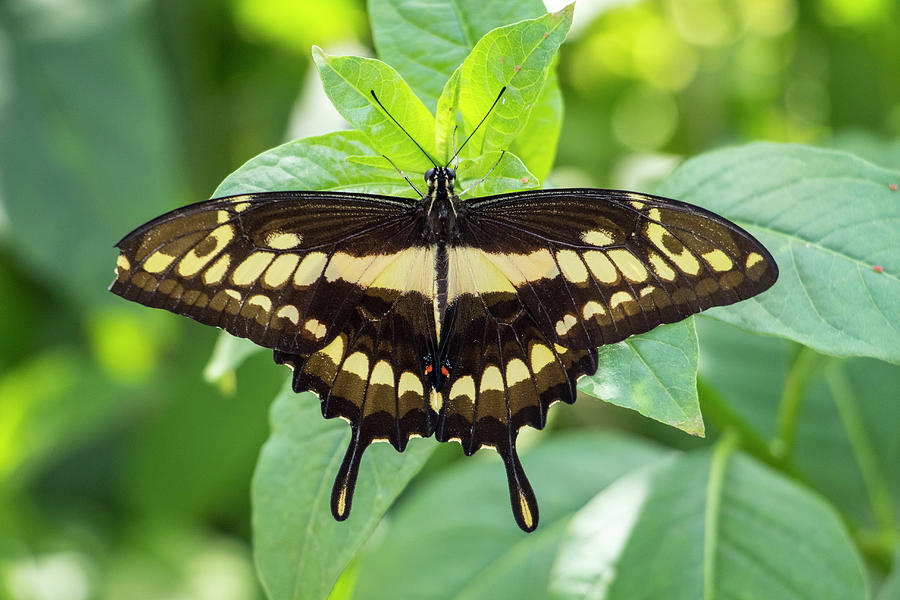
x,y
596,266
285,270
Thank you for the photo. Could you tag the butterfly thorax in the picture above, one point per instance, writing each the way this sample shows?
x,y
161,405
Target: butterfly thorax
x,y
439,206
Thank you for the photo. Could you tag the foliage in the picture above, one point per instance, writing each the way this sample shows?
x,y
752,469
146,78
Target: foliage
x,y
124,474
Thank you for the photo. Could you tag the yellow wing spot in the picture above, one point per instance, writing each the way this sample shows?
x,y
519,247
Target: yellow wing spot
x,y
251,268
491,379
628,263
282,240
358,364
541,356
342,501
280,270
526,512
122,262
234,295
289,312
560,349
516,372
646,291
661,267
601,267
753,258
654,214
565,324
264,302
205,251
353,268
310,268
410,383
411,270
335,350
571,266
216,272
382,374
317,329
718,260
592,308
522,268
638,205
473,272
158,262
598,237
241,206
436,401
620,298
464,386
683,259
222,216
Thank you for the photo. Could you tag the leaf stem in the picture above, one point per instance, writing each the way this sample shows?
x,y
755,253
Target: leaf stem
x,y
724,448
864,452
782,447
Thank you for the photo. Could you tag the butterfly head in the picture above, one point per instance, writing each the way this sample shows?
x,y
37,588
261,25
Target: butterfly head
x,y
440,180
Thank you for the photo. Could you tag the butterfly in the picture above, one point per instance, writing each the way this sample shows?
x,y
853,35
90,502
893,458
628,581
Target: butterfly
x,y
462,319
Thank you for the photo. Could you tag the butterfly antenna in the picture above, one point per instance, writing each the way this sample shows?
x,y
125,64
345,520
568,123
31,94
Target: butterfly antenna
x,y
503,89
402,174
455,151
486,175
428,156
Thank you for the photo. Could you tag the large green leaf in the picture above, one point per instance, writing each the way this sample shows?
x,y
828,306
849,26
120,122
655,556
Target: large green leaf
x,y
87,147
349,82
829,219
707,525
517,56
654,374
426,40
454,537
300,549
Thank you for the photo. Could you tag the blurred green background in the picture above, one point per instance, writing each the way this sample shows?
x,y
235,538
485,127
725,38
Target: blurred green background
x,y
125,474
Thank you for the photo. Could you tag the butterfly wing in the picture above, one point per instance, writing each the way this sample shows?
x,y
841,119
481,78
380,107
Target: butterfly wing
x,y
284,269
337,284
540,279
596,266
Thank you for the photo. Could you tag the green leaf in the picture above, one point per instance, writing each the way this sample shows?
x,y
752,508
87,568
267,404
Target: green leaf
x,y
537,142
315,163
654,374
828,218
517,56
707,525
88,150
349,81
426,40
300,549
454,537
508,175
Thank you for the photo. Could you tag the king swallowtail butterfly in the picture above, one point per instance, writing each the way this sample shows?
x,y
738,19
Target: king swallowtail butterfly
x,y
465,320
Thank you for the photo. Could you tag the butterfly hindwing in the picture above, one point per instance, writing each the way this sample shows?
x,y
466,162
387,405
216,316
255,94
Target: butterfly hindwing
x,y
284,269
596,266
503,373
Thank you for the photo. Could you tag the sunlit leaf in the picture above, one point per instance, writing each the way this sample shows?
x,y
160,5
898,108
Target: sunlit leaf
x,y
349,82
426,40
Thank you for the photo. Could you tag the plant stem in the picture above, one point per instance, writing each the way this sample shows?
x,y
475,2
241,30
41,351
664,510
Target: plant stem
x,y
782,447
724,448
864,452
